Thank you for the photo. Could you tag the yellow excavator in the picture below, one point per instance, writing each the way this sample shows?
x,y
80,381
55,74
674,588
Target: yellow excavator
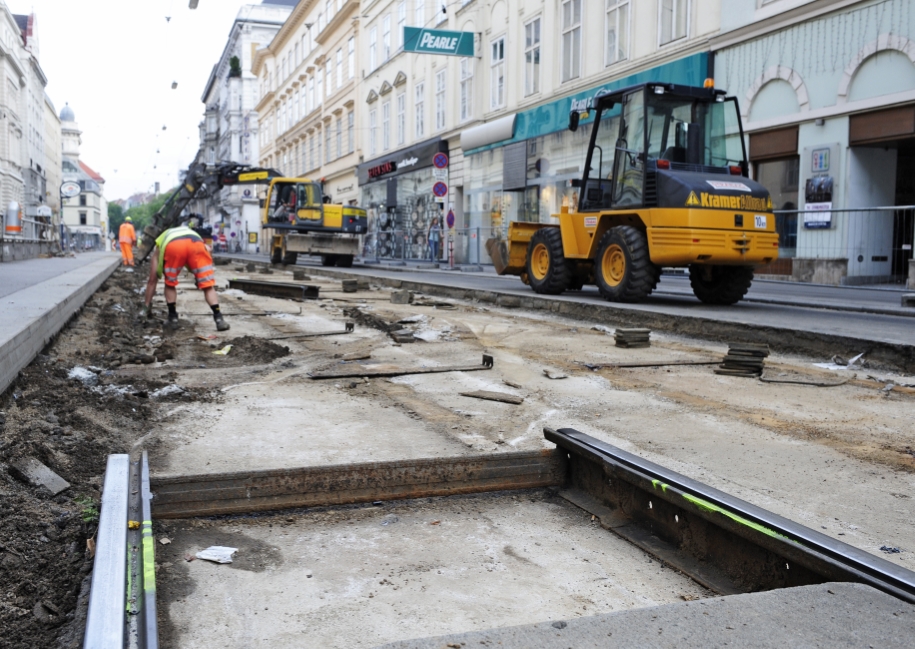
x,y
665,184
295,209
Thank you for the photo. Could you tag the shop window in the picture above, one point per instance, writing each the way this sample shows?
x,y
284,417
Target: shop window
x,y
420,16
386,38
674,22
532,57
351,132
420,110
386,126
497,74
466,89
373,127
440,99
373,48
571,39
617,31
782,178
401,118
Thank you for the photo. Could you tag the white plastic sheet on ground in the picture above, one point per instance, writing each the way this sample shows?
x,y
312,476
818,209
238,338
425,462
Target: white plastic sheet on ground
x,y
217,554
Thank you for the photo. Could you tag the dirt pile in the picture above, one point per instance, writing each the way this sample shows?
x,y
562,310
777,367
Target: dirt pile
x,y
247,349
69,410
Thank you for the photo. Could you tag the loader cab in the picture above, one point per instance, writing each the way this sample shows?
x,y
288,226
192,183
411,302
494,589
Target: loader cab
x,y
650,129
294,201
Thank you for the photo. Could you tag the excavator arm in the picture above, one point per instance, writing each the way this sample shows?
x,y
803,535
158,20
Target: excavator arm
x,y
201,179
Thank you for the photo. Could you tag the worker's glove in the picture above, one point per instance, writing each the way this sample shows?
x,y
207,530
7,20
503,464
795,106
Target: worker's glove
x,y
149,311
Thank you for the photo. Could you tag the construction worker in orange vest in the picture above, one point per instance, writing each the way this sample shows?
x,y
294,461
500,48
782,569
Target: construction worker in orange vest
x,y
177,248
127,237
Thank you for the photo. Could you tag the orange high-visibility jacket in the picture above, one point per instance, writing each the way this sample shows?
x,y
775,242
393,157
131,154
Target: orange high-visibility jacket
x,y
127,234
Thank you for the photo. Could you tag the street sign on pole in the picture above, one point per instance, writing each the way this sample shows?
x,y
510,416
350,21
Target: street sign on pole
x,y
440,161
440,189
438,41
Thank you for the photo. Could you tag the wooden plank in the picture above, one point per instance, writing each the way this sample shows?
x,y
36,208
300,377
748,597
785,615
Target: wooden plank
x,y
489,395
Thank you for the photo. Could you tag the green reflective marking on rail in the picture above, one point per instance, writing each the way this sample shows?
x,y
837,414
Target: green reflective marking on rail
x,y
711,507
658,483
149,559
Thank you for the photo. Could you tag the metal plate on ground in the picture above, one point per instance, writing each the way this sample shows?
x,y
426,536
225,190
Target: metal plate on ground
x,y
387,371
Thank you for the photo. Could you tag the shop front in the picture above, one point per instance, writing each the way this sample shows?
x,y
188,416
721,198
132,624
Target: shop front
x,y
522,168
397,190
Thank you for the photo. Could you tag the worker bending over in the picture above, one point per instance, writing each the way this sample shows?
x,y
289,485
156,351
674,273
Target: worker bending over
x,y
177,248
127,237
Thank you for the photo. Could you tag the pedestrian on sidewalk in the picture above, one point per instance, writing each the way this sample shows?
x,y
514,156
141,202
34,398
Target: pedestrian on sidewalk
x,y
177,248
434,237
127,237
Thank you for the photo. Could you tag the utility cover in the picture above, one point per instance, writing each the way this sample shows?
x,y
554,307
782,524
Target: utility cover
x,y
438,41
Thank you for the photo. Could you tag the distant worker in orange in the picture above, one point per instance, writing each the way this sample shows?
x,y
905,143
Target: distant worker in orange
x,y
127,237
177,248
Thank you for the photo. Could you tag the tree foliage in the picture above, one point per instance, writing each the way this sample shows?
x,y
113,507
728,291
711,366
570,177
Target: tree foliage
x,y
115,216
140,215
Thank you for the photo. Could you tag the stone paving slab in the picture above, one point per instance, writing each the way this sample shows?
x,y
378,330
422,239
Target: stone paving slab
x,y
831,615
32,316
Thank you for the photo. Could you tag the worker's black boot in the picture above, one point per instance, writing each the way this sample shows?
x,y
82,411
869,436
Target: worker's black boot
x,y
221,324
172,317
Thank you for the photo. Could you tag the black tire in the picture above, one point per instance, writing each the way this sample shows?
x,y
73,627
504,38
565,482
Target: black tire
x,y
290,258
328,260
276,256
623,270
344,261
547,269
720,284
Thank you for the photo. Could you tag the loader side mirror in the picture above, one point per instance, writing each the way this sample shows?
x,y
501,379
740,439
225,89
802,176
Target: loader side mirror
x,y
574,116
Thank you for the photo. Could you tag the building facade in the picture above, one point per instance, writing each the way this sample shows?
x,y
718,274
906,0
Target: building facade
x,y
84,217
828,100
308,80
229,130
501,116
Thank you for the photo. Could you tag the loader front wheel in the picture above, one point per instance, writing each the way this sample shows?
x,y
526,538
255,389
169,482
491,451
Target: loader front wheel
x,y
328,260
720,284
290,258
623,270
344,261
547,269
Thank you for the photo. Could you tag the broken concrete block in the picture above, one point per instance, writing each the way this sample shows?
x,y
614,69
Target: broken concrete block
x,y
403,336
300,275
363,284
33,472
266,271
401,297
350,286
250,268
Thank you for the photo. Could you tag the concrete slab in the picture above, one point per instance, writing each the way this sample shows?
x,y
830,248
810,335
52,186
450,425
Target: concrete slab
x,y
826,615
32,315
35,473
361,576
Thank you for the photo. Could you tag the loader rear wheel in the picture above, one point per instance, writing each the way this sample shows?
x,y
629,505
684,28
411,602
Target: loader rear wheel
x,y
290,258
328,260
344,261
623,270
547,269
720,284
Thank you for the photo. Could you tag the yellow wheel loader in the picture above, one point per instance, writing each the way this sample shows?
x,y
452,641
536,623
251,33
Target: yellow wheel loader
x,y
665,184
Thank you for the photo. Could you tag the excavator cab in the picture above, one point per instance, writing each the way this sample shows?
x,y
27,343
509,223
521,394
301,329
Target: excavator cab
x,y
292,201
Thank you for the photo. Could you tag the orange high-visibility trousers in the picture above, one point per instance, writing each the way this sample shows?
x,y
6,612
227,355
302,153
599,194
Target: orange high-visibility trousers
x,y
127,253
193,254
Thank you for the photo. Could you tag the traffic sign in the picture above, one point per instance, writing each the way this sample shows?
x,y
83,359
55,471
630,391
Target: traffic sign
x,y
449,220
440,189
440,174
440,161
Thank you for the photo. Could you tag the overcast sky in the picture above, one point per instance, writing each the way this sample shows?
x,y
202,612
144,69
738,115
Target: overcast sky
x,y
114,62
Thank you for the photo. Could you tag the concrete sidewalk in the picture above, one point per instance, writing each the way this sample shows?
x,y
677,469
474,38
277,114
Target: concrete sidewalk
x,y
46,293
